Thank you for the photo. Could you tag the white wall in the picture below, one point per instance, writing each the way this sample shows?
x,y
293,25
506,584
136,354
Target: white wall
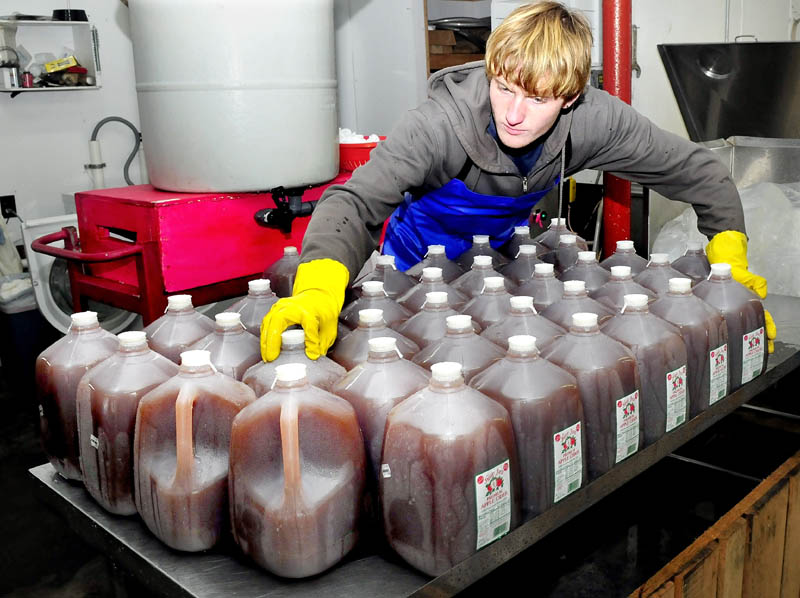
x,y
44,135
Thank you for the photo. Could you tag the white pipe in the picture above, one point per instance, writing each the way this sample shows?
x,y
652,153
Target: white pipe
x,y
145,178
96,166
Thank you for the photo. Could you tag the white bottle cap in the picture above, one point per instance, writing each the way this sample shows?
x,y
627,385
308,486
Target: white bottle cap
x,y
229,319
293,337
382,344
659,258
370,316
527,249
721,269
558,222
480,239
680,285
196,358
84,318
521,302
482,260
635,300
584,320
131,338
435,249
179,301
259,285
431,273
587,256
522,343
290,372
522,230
620,271
458,322
436,298
373,287
493,283
446,371
574,286
543,268
290,250
694,245
385,260
625,244
567,240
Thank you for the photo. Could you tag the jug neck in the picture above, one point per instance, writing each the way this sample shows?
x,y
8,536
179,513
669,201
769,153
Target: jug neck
x,y
625,251
292,348
522,356
229,330
436,307
265,294
461,332
372,326
481,268
575,294
130,350
383,356
695,253
544,275
447,387
196,371
584,331
290,385
522,312
85,329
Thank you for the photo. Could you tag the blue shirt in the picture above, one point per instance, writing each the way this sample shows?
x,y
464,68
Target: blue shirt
x,y
524,158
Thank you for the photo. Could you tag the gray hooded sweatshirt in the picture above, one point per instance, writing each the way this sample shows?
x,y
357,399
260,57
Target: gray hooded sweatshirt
x,y
433,142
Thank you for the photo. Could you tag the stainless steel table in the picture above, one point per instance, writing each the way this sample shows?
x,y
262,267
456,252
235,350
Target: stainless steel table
x,y
224,573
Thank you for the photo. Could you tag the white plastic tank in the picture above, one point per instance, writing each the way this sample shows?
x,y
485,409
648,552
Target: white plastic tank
x,y
236,95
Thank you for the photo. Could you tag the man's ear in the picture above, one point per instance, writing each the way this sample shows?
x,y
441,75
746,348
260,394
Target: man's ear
x,y
570,101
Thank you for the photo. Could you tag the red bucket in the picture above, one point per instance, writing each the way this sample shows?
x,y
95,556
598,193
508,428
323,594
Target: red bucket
x,y
353,155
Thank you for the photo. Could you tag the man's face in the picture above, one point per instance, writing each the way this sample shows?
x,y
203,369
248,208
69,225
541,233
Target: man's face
x,y
521,118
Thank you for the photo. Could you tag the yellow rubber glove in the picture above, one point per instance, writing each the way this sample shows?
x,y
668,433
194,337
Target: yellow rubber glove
x,y
730,247
316,301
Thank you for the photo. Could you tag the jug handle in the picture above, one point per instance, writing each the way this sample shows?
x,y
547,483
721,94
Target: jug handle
x,y
183,435
290,445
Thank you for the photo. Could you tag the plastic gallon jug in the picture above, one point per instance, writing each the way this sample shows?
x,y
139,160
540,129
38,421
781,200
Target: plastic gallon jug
x,y
59,369
179,327
282,272
462,345
608,381
449,477
430,282
661,356
254,306
744,317
183,431
481,246
108,396
521,269
657,274
437,258
546,412
522,236
588,270
620,284
373,296
574,300
471,283
706,336
429,324
395,282
492,305
354,348
544,287
374,387
625,255
566,253
558,227
297,477
322,372
232,349
523,319
693,263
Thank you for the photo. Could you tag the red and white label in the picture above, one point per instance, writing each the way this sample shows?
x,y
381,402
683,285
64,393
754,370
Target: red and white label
x,y
493,503
627,425
568,461
752,354
718,362
676,398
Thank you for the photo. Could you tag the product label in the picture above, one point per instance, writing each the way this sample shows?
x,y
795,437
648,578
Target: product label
x,y
719,373
568,462
627,425
385,471
41,411
752,354
94,441
676,397
493,503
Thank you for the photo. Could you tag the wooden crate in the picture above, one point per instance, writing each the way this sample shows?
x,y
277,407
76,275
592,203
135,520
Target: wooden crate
x,y
753,551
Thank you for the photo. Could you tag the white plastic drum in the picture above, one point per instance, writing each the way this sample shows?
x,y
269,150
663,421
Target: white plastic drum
x,y
236,95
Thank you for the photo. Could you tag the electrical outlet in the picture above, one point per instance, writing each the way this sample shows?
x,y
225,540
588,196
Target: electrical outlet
x,y
8,206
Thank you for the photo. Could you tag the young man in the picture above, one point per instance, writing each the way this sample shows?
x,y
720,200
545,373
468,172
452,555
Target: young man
x,y
489,142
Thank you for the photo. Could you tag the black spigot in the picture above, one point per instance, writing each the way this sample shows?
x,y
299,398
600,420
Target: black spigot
x,y
288,206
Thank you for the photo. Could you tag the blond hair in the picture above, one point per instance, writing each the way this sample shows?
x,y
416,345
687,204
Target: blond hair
x,y
544,48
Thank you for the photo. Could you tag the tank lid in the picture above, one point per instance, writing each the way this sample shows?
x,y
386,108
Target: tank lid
x,y
458,322
229,319
569,239
482,260
587,256
259,285
293,337
574,286
543,268
721,269
527,249
558,222
480,239
290,372
370,316
521,302
84,318
373,287
522,230
179,301
435,249
196,358
659,258
635,300
680,285
385,260
431,273
290,250
584,320
694,245
436,297
132,338
522,343
627,244
446,371
382,344
493,283
620,271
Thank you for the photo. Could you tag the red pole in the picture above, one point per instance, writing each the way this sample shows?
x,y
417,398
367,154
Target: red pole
x,y
616,81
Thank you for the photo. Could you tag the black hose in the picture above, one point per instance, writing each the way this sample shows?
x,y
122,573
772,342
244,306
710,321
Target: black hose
x,y
137,139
